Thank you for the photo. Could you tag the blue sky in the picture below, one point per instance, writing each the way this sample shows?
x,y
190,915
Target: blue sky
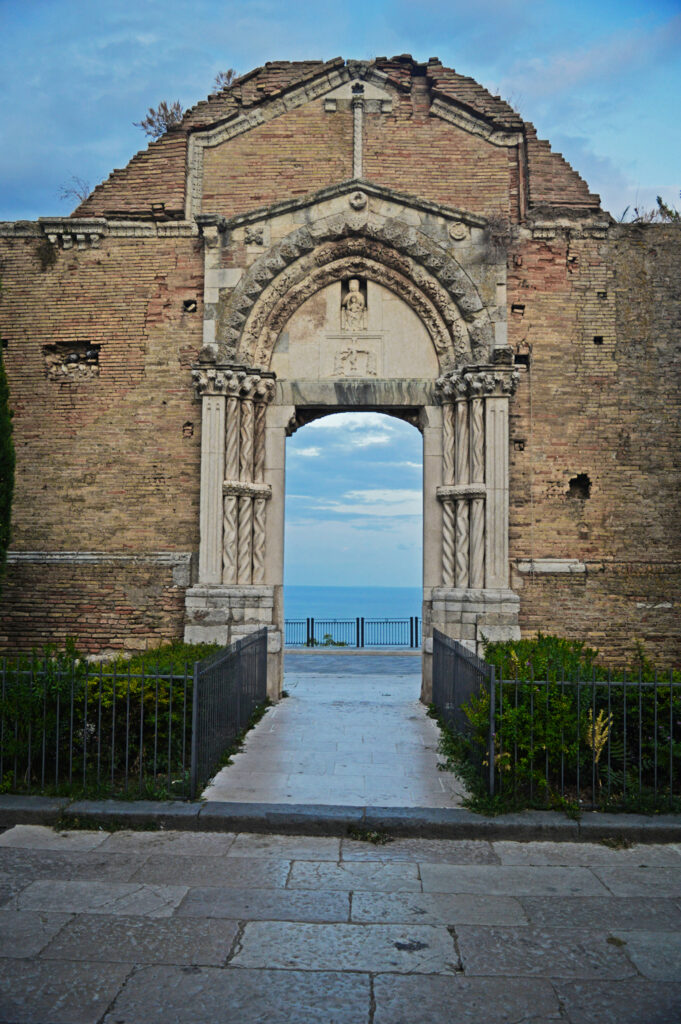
x,y
600,79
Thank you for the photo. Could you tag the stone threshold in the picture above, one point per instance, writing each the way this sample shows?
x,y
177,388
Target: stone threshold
x,y
319,819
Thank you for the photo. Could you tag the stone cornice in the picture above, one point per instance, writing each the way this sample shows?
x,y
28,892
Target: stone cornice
x,y
87,232
477,382
449,110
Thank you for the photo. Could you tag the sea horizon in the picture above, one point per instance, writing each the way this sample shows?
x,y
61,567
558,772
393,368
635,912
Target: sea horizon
x,y
328,602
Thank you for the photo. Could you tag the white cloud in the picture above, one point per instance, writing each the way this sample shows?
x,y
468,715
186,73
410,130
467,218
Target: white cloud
x,y
382,503
342,421
366,440
307,453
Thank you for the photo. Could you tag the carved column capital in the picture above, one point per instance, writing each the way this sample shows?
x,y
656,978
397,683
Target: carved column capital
x,y
477,382
237,381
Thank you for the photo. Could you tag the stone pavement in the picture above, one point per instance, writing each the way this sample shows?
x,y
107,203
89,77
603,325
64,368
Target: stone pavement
x,y
351,733
218,928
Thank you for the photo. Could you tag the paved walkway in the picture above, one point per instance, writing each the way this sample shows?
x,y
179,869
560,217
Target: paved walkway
x,y
217,928
352,732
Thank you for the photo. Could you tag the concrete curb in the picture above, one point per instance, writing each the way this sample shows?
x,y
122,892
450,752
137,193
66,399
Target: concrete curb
x,y
311,819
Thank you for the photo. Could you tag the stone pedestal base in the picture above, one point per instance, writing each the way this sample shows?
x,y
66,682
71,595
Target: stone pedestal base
x,y
469,616
216,613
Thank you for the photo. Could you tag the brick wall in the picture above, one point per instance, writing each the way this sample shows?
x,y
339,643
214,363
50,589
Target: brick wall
x,y
608,409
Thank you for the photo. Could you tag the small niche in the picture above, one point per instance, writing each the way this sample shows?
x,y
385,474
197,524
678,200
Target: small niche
x,y
598,339
189,306
579,487
4,342
518,309
354,304
519,444
601,295
522,359
188,429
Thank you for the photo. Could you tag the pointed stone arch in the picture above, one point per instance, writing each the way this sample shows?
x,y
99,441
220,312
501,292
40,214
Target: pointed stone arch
x,y
386,249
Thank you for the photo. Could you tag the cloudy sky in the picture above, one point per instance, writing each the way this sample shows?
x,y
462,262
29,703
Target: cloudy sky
x,y
600,79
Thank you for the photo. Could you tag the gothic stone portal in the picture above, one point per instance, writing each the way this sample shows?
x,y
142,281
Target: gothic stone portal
x,y
371,304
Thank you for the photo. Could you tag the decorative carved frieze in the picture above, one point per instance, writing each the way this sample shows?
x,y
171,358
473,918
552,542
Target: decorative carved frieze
x,y
247,489
479,382
460,492
232,380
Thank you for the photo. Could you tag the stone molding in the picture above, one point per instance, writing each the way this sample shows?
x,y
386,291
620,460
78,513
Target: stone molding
x,y
243,488
178,561
460,492
451,112
424,264
550,565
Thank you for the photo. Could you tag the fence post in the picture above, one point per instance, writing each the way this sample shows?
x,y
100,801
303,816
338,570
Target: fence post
x,y
357,631
492,704
361,622
194,770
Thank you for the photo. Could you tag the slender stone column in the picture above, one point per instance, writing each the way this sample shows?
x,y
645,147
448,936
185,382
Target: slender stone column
x,y
358,129
245,545
230,506
448,509
212,457
259,503
496,477
462,546
476,575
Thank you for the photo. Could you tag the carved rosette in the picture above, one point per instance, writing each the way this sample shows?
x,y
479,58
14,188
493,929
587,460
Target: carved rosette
x,y
244,491
465,454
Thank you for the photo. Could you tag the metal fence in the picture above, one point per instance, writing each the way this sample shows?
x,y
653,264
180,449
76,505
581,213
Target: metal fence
x,y
227,689
358,632
458,676
67,726
595,742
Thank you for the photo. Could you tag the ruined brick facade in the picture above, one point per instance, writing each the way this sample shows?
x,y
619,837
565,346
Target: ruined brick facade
x,y
102,318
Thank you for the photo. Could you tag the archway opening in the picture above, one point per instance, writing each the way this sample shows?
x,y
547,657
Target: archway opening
x,y
354,533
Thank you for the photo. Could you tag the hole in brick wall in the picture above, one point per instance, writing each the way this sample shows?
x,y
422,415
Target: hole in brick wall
x,y
71,360
517,260
188,429
518,308
601,295
4,342
572,262
598,339
189,306
519,445
522,359
579,487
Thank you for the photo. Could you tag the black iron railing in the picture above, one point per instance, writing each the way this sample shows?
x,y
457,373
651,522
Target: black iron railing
x,y
74,728
596,742
227,689
358,632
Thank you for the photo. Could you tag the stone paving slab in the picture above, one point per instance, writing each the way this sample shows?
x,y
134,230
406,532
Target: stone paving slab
x,y
172,843
458,1000
537,952
657,955
586,854
641,881
40,837
100,898
501,880
141,940
32,864
258,873
265,904
26,934
620,1002
293,847
44,992
432,851
209,995
422,949
614,912
436,908
376,876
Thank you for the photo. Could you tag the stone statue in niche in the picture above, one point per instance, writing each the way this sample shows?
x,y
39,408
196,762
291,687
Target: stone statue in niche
x,y
354,308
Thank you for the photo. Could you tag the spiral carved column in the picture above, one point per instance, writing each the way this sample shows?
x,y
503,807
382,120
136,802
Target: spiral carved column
x,y
476,573
448,513
230,503
259,503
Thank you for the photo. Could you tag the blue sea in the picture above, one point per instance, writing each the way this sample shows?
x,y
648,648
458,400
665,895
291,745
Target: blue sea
x,y
351,602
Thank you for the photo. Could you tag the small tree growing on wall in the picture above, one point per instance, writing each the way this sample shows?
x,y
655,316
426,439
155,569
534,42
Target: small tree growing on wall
x,y
7,460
